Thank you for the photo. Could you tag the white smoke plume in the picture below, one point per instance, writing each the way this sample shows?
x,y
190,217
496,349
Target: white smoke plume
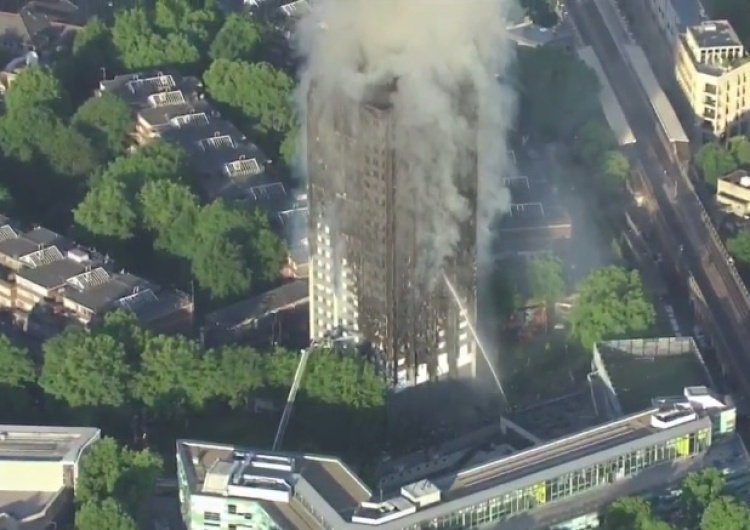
x,y
436,49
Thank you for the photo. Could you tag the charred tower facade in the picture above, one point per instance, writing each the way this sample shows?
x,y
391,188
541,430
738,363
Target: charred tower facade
x,y
368,274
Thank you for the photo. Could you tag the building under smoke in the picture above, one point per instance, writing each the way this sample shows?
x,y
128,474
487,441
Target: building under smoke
x,y
378,268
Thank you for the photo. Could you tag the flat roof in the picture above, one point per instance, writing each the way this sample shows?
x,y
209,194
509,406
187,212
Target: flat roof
x,y
331,489
340,488
641,369
284,297
715,34
610,104
535,204
659,101
44,443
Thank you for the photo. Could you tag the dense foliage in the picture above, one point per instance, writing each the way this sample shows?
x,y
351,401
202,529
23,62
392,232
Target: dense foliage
x,y
703,504
67,157
715,160
558,93
610,303
119,370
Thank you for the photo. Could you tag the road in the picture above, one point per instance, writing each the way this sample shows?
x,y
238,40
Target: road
x,y
680,213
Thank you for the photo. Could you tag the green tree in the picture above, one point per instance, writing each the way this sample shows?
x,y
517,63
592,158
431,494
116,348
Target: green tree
x,y
92,58
288,149
610,302
592,141
106,514
175,374
170,210
265,96
68,151
240,374
106,122
725,513
111,208
36,87
714,161
558,92
739,147
698,491
111,471
631,513
739,247
85,369
236,40
233,247
616,166
106,209
505,293
356,383
546,277
18,368
140,47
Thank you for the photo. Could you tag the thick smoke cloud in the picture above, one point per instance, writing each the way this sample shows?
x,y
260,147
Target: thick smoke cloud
x,y
440,51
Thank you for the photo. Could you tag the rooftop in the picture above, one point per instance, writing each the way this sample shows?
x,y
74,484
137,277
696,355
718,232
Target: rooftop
x,y
640,369
44,443
715,34
23,504
738,177
340,499
236,315
534,205
52,262
529,34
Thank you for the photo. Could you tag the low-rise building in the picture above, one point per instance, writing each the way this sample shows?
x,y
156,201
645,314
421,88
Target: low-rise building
x,y
733,193
48,281
38,473
537,487
172,107
38,25
713,72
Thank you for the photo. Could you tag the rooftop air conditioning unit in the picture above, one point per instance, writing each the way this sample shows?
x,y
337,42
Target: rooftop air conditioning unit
x,y
745,181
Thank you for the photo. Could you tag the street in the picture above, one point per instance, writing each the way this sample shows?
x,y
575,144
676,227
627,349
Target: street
x,y
689,240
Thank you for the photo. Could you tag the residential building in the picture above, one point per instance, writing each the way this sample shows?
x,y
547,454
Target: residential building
x,y
261,320
536,221
172,107
48,281
38,473
365,260
733,193
38,25
713,71
548,483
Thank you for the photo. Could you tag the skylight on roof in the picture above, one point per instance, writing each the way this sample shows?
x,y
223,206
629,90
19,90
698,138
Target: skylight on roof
x,y
163,99
138,299
89,279
7,232
152,84
223,141
244,167
41,257
267,192
198,118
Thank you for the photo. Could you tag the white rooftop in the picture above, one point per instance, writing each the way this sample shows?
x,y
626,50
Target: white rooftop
x,y
43,443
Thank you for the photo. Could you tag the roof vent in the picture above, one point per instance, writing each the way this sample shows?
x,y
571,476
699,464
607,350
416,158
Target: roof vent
x,y
745,181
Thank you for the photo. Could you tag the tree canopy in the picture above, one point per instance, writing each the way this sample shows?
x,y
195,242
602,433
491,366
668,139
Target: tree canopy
x,y
558,92
739,247
110,471
610,302
265,96
105,121
107,514
714,160
236,40
703,504
546,277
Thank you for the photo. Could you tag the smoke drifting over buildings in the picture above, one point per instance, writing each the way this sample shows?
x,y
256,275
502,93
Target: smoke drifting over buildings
x,y
445,55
